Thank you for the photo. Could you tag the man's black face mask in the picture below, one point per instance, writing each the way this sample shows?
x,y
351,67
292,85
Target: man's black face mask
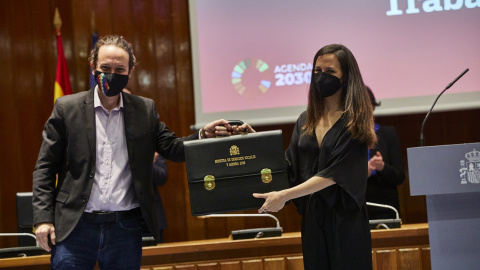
x,y
111,84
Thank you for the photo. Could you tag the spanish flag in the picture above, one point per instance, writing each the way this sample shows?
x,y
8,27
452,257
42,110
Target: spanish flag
x,y
62,80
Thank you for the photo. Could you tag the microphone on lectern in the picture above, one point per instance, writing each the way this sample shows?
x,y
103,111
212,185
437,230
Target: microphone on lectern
x,y
422,139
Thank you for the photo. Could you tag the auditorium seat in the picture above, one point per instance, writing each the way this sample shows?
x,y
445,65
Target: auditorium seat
x,y
25,218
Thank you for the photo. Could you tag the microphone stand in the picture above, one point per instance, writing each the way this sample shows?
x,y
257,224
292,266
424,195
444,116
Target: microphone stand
x,y
385,223
252,233
422,139
22,234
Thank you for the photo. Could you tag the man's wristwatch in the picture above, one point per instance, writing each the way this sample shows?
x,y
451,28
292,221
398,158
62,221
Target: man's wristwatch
x,y
202,132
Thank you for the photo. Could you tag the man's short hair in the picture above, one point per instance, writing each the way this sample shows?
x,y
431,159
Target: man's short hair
x,y
117,41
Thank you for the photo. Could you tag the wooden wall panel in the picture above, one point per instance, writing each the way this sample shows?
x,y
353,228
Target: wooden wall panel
x,y
9,144
386,259
374,261
410,258
81,15
167,100
234,265
186,267
274,264
103,17
294,262
255,264
207,266
24,95
159,31
426,260
185,109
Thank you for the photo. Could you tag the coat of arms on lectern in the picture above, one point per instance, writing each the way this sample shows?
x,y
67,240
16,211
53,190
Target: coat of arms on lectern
x,y
470,170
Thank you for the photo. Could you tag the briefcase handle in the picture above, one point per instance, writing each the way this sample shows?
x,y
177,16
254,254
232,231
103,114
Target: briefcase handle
x,y
234,123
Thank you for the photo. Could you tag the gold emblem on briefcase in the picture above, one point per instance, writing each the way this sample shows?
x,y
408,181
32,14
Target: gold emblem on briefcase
x,y
266,175
234,150
209,182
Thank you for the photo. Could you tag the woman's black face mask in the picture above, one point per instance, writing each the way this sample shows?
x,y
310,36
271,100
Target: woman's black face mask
x,y
326,84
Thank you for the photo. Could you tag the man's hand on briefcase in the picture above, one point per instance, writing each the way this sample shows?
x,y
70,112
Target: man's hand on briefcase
x,y
222,128
239,127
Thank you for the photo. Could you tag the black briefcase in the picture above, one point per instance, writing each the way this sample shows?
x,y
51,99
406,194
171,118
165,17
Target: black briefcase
x,y
223,173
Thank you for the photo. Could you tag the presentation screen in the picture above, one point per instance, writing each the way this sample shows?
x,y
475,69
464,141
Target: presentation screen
x,y
252,59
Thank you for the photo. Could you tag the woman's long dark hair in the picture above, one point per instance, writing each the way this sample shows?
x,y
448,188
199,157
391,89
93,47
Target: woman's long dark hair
x,y
355,99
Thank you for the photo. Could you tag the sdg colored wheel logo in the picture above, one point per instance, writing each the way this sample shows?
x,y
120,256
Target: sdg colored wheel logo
x,y
251,78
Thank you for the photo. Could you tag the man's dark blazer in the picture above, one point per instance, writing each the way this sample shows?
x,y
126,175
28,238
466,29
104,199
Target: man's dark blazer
x,y
69,150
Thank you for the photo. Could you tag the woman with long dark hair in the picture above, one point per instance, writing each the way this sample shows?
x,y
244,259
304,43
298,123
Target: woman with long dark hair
x,y
327,163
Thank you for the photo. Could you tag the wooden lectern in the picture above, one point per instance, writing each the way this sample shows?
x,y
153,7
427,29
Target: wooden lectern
x,y
449,176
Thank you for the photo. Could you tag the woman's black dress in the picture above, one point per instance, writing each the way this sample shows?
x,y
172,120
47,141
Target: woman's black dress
x,y
335,228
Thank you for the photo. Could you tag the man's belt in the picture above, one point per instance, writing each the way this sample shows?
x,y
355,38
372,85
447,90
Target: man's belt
x,y
113,216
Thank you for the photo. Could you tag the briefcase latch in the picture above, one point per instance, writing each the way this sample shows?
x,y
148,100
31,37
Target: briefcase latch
x,y
266,175
209,182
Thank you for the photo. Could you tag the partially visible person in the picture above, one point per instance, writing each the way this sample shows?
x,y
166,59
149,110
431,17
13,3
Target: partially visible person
x,y
326,165
385,170
159,178
101,143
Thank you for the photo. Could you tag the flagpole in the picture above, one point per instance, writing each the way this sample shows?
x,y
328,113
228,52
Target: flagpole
x,y
62,79
57,22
